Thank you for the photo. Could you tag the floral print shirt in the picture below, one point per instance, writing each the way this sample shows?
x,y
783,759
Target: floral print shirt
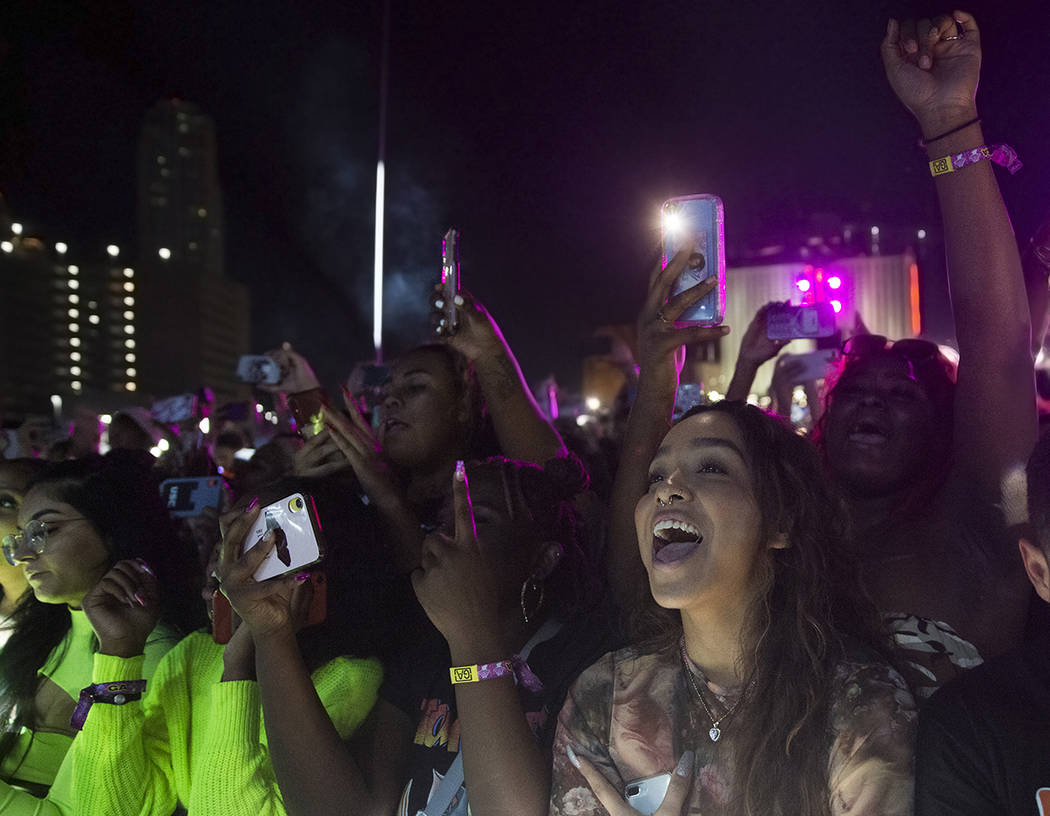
x,y
634,715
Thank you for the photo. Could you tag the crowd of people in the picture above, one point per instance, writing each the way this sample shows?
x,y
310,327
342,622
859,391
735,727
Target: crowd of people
x,y
737,618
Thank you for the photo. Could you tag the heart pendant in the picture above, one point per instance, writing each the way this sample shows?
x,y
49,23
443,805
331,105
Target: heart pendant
x,y
715,733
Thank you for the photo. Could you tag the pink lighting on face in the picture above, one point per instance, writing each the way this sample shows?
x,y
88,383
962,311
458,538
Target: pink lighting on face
x,y
836,305
834,282
803,285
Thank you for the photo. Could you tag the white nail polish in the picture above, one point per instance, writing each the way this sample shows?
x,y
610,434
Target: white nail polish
x,y
571,754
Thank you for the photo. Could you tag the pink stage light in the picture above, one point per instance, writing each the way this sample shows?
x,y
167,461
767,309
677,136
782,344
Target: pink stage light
x,y
834,282
836,305
803,285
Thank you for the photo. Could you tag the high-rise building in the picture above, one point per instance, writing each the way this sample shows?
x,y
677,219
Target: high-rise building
x,y
198,319
67,323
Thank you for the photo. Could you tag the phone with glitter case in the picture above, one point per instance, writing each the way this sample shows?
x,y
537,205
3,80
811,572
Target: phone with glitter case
x,y
450,280
697,222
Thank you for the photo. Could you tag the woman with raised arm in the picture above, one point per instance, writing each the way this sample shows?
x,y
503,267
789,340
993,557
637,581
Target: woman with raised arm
x,y
468,707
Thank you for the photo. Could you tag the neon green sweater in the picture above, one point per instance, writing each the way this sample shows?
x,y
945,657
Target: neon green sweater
x,y
37,757
194,740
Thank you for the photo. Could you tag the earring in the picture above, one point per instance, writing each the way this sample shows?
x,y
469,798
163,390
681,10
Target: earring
x,y
530,584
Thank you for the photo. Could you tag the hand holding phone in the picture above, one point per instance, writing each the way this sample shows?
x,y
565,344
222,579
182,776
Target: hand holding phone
x,y
787,322
449,282
697,223
257,369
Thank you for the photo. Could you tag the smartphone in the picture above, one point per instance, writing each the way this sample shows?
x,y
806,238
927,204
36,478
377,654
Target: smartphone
x,y
222,612
299,543
812,366
186,498
450,279
787,322
697,222
646,795
308,410
687,397
175,409
258,368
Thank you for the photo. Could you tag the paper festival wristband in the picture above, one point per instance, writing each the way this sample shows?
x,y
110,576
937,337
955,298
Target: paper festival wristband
x,y
116,693
1001,154
514,667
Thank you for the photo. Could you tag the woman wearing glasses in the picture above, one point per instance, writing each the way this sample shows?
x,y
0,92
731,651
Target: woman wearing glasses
x,y
93,537
15,474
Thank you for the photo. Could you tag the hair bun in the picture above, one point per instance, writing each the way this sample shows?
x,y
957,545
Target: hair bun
x,y
567,476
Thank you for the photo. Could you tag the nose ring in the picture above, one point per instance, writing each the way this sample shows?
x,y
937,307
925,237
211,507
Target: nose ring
x,y
661,503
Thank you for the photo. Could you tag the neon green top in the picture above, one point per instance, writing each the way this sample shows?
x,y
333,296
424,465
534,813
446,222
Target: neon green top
x,y
38,755
194,740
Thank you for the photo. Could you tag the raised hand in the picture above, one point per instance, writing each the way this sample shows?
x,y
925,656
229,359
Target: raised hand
x,y
123,607
454,585
476,334
673,803
359,446
263,606
756,347
319,456
933,67
660,341
296,374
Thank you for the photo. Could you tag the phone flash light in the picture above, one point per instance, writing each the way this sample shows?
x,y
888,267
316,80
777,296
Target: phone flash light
x,y
672,222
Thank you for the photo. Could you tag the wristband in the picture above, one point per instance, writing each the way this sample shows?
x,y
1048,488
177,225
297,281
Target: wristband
x,y
925,142
1001,154
115,693
514,667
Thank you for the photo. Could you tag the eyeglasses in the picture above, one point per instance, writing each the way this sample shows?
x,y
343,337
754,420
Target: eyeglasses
x,y
33,537
912,349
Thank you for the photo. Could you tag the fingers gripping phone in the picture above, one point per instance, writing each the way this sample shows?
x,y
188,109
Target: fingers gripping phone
x,y
450,279
258,368
293,522
646,795
222,612
697,222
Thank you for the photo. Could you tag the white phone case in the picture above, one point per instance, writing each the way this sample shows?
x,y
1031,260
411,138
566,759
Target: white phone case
x,y
298,543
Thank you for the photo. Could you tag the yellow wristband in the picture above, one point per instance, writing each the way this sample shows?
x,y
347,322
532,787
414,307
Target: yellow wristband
x,y
464,674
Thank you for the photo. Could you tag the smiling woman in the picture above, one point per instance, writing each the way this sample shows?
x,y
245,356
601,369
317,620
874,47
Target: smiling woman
x,y
757,682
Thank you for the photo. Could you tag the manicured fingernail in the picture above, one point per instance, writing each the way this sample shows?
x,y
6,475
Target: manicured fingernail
x,y
571,754
439,304
461,471
139,598
145,567
457,300
685,764
252,505
302,576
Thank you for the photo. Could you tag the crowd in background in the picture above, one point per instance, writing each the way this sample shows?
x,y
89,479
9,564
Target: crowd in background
x,y
720,613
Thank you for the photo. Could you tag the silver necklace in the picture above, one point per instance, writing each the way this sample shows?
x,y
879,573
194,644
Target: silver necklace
x,y
716,730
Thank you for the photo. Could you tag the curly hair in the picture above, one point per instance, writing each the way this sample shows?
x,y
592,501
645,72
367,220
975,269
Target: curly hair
x,y
121,500
810,609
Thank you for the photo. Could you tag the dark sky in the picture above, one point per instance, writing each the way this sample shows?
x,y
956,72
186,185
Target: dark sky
x,y
548,133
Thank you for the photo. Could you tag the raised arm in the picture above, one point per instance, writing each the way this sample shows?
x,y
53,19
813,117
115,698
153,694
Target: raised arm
x,y
661,354
934,68
523,432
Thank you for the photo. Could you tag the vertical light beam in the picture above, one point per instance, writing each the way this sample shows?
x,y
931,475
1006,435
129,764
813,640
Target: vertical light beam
x,y
377,281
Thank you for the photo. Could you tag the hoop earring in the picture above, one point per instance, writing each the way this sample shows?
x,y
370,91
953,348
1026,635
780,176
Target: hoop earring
x,y
532,584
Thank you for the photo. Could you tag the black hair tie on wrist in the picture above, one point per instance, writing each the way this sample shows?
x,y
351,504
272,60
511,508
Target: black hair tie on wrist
x,y
924,142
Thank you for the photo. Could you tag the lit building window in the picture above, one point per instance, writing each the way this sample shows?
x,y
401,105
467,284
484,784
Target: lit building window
x,y
7,246
73,269
74,342
16,228
129,358
202,212
76,385
129,301
93,319
61,248
74,313
73,284
130,386
129,344
92,304
164,253
129,287
74,298
131,372
73,328
113,250
129,272
129,315
74,370
74,356
129,330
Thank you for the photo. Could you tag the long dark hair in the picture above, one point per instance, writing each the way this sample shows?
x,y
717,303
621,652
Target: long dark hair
x,y
808,615
121,500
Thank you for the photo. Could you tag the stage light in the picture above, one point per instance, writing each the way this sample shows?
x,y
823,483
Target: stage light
x,y
803,284
836,305
834,282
